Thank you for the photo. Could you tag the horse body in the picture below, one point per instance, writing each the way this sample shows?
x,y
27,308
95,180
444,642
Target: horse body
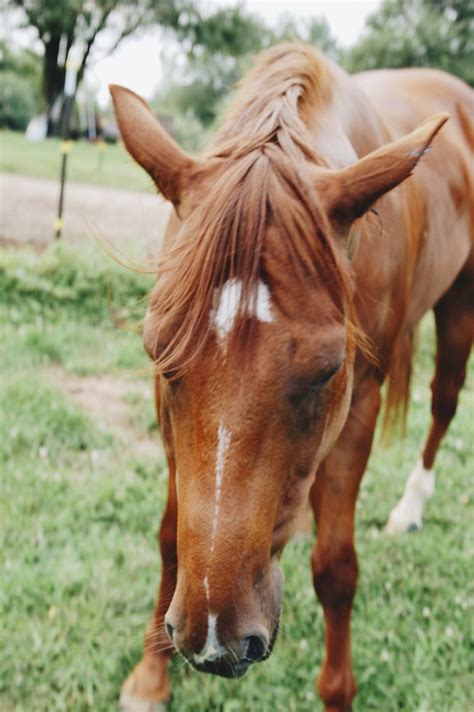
x,y
274,246
440,191
425,224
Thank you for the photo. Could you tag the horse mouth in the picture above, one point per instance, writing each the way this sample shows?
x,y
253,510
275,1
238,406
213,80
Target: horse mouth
x,y
224,668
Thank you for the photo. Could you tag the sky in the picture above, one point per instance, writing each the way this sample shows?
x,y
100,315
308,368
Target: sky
x,y
136,64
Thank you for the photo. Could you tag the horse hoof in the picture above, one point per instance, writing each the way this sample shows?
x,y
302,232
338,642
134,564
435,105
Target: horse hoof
x,y
396,526
129,703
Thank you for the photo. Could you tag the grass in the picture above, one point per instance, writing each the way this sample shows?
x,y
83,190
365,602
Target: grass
x,y
100,164
79,514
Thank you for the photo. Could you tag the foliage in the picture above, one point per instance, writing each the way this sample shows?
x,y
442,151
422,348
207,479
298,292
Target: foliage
x,y
19,87
421,33
214,42
61,277
17,101
23,62
211,53
229,32
81,23
314,30
187,128
80,564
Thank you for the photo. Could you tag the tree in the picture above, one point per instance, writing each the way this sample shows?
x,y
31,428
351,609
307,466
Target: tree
x,y
20,81
60,25
314,30
422,33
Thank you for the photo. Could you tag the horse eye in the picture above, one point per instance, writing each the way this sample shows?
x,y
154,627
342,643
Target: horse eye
x,y
324,378
302,391
173,382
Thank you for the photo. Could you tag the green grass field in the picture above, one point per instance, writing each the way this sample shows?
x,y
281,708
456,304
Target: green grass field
x,y
80,507
100,164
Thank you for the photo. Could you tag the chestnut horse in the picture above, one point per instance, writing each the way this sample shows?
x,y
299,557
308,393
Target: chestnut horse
x,y
284,300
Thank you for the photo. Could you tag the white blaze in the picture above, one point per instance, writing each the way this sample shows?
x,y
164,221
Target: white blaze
x,y
212,648
223,440
206,588
223,316
408,512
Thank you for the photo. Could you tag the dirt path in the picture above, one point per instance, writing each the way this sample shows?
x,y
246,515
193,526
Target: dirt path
x,y
113,403
28,211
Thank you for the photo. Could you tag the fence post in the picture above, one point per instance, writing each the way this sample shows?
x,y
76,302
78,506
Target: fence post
x,y
65,147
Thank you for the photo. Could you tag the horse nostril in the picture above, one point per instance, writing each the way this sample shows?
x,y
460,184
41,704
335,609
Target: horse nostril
x,y
170,631
256,648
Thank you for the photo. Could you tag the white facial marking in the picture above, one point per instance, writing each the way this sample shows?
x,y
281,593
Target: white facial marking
x,y
223,440
408,513
263,306
224,315
206,588
212,648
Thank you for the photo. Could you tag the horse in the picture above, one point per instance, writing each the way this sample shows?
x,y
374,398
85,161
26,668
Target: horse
x,y
328,215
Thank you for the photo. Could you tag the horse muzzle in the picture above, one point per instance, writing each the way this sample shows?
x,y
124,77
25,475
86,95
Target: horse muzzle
x,y
230,661
253,649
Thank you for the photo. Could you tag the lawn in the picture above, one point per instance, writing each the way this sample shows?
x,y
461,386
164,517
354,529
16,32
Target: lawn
x,y
100,163
80,506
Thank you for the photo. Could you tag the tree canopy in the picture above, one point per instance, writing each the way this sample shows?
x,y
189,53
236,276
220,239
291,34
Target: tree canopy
x,y
60,25
207,51
20,81
421,33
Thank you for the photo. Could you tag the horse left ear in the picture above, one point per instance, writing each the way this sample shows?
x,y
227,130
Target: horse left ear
x,y
349,192
149,144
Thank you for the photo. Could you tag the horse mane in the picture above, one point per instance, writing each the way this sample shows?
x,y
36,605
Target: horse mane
x,y
263,155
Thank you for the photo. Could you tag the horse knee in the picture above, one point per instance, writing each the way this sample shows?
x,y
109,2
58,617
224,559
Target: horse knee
x,y
335,575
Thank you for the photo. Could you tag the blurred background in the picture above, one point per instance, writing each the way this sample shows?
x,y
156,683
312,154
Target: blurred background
x,y
184,57
83,476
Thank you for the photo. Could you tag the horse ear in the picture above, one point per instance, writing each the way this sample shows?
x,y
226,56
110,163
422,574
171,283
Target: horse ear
x,y
150,145
349,192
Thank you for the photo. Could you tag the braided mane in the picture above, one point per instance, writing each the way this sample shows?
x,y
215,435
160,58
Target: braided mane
x,y
264,152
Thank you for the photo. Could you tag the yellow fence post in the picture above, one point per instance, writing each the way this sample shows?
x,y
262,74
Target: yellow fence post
x,y
65,146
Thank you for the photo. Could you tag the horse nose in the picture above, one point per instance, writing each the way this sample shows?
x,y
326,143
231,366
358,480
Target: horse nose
x,y
232,662
221,653
255,647
169,630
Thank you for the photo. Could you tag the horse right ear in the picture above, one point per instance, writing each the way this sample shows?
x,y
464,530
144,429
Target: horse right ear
x,y
150,145
349,192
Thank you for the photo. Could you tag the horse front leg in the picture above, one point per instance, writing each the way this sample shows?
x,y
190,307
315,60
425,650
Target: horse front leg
x,y
147,687
334,560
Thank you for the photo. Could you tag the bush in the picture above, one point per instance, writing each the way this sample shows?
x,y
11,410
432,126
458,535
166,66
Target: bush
x,y
18,101
87,280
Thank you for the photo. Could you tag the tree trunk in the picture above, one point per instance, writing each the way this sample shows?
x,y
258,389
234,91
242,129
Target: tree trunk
x,y
53,76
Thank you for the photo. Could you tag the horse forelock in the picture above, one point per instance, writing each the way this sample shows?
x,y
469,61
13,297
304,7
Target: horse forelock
x,y
264,152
